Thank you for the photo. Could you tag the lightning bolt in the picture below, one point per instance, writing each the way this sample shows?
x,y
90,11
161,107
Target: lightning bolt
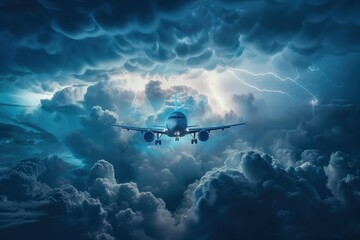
x,y
316,68
133,103
231,71
294,80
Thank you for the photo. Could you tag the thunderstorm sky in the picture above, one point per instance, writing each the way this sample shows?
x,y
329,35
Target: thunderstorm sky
x,y
290,68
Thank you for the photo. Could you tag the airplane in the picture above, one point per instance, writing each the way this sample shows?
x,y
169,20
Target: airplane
x,y
176,126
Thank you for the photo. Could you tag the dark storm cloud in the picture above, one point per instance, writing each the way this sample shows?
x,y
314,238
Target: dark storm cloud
x,y
95,140
46,212
333,127
138,215
42,207
58,38
251,191
286,138
254,197
109,95
297,135
155,93
22,184
109,102
133,159
20,139
65,101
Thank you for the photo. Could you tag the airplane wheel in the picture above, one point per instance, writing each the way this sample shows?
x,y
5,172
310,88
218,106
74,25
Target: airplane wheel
x,y
156,142
192,141
159,142
195,141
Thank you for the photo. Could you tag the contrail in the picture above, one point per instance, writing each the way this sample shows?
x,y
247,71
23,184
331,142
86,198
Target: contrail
x,y
15,105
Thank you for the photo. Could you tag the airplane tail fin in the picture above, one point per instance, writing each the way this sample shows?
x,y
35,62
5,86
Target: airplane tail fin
x,y
176,102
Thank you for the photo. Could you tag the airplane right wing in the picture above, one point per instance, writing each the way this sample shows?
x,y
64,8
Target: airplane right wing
x,y
208,129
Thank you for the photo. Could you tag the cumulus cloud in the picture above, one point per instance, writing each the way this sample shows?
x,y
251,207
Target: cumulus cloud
x,y
126,213
251,191
289,139
66,100
254,191
30,208
110,102
343,176
109,95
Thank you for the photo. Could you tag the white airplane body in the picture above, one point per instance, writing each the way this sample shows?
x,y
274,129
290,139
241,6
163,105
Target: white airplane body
x,y
176,126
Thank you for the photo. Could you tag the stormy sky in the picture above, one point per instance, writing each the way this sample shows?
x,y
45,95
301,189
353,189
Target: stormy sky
x,y
290,68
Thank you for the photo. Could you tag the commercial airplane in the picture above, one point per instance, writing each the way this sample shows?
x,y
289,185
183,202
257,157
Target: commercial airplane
x,y
176,126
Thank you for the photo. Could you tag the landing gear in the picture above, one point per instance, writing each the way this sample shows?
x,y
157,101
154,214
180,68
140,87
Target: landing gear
x,y
194,140
158,141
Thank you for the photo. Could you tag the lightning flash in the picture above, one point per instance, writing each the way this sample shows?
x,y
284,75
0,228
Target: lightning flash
x,y
294,80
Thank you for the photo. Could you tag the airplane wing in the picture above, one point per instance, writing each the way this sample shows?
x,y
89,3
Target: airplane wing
x,y
208,129
140,129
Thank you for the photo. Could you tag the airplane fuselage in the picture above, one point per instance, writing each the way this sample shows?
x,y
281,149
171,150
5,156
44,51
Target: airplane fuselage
x,y
176,123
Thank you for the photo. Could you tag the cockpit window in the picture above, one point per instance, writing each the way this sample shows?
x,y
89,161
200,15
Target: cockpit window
x,y
176,117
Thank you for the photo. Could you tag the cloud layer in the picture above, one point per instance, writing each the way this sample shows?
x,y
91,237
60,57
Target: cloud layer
x,y
307,188
251,191
156,36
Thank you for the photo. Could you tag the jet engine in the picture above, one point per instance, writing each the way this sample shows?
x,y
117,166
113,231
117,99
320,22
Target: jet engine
x,y
203,135
149,136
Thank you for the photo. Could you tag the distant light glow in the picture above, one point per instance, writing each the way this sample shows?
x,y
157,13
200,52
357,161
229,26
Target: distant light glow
x,y
313,103
31,98
217,97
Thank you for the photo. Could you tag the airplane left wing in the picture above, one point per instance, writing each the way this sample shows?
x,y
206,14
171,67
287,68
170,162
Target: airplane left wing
x,y
140,129
208,129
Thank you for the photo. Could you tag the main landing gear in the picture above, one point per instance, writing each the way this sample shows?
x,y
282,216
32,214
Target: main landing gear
x,y
194,140
158,141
